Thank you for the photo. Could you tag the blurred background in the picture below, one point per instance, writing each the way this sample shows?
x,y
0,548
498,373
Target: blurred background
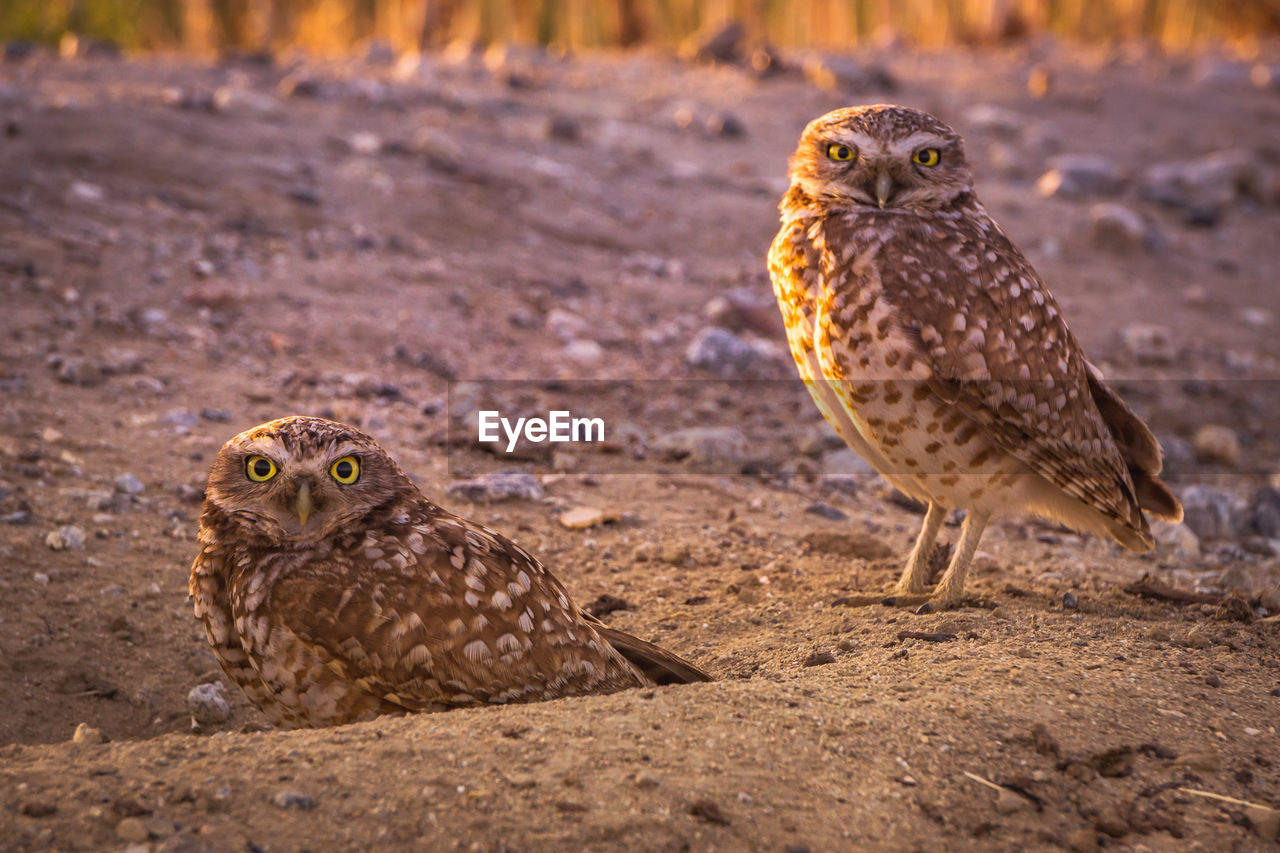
x,y
337,25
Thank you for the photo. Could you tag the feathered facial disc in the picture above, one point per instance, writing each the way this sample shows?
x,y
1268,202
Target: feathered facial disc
x,y
300,479
886,157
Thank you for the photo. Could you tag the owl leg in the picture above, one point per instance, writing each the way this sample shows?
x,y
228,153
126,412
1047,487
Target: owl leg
x,y
951,588
917,571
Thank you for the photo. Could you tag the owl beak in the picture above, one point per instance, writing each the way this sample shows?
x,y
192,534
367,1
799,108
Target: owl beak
x,y
302,504
884,188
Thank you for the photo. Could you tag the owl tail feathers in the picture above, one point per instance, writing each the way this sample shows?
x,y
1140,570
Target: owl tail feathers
x,y
1155,496
1138,447
657,664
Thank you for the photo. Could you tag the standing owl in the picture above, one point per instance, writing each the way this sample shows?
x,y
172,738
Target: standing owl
x,y
332,591
932,346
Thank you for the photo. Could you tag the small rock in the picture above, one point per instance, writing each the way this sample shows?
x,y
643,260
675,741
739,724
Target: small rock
x,y
997,121
1080,175
85,191
1212,513
1148,344
675,554
844,462
726,354
499,486
750,309
583,351
582,517
707,445
33,808
1119,228
1069,601
1110,821
1204,187
1215,443
565,128
1008,802
293,800
78,371
721,45
207,705
606,604
837,73
819,659
708,811
1264,511
129,485
826,511
1083,841
65,538
1175,538
87,735
725,125
132,829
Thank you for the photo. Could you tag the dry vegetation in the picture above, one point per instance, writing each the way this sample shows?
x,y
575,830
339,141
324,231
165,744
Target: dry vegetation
x,y
334,25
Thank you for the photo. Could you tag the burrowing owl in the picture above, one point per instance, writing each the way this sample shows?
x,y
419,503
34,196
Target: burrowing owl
x,y
333,591
932,346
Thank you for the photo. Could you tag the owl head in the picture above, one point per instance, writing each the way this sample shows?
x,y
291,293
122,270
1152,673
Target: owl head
x,y
882,156
299,480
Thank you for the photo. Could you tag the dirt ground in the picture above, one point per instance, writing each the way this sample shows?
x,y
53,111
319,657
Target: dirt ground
x,y
187,250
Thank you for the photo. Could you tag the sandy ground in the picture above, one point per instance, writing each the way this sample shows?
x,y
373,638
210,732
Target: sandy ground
x,y
188,250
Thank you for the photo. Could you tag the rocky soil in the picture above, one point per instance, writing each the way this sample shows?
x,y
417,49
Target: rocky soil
x,y
187,250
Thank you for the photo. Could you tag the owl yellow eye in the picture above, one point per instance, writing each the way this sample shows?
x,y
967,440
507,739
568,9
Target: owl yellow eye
x,y
346,470
260,468
927,157
839,152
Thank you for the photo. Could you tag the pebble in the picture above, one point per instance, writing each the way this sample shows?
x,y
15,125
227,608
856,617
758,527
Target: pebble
x,y
34,808
835,73
826,511
582,517
1264,511
997,121
1147,343
707,445
1080,175
65,538
721,45
132,829
565,128
499,486
1009,802
1175,538
207,705
741,309
1119,228
583,351
1204,187
128,484
1082,841
87,735
819,659
724,353
1215,443
1212,513
293,800
725,125
710,812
